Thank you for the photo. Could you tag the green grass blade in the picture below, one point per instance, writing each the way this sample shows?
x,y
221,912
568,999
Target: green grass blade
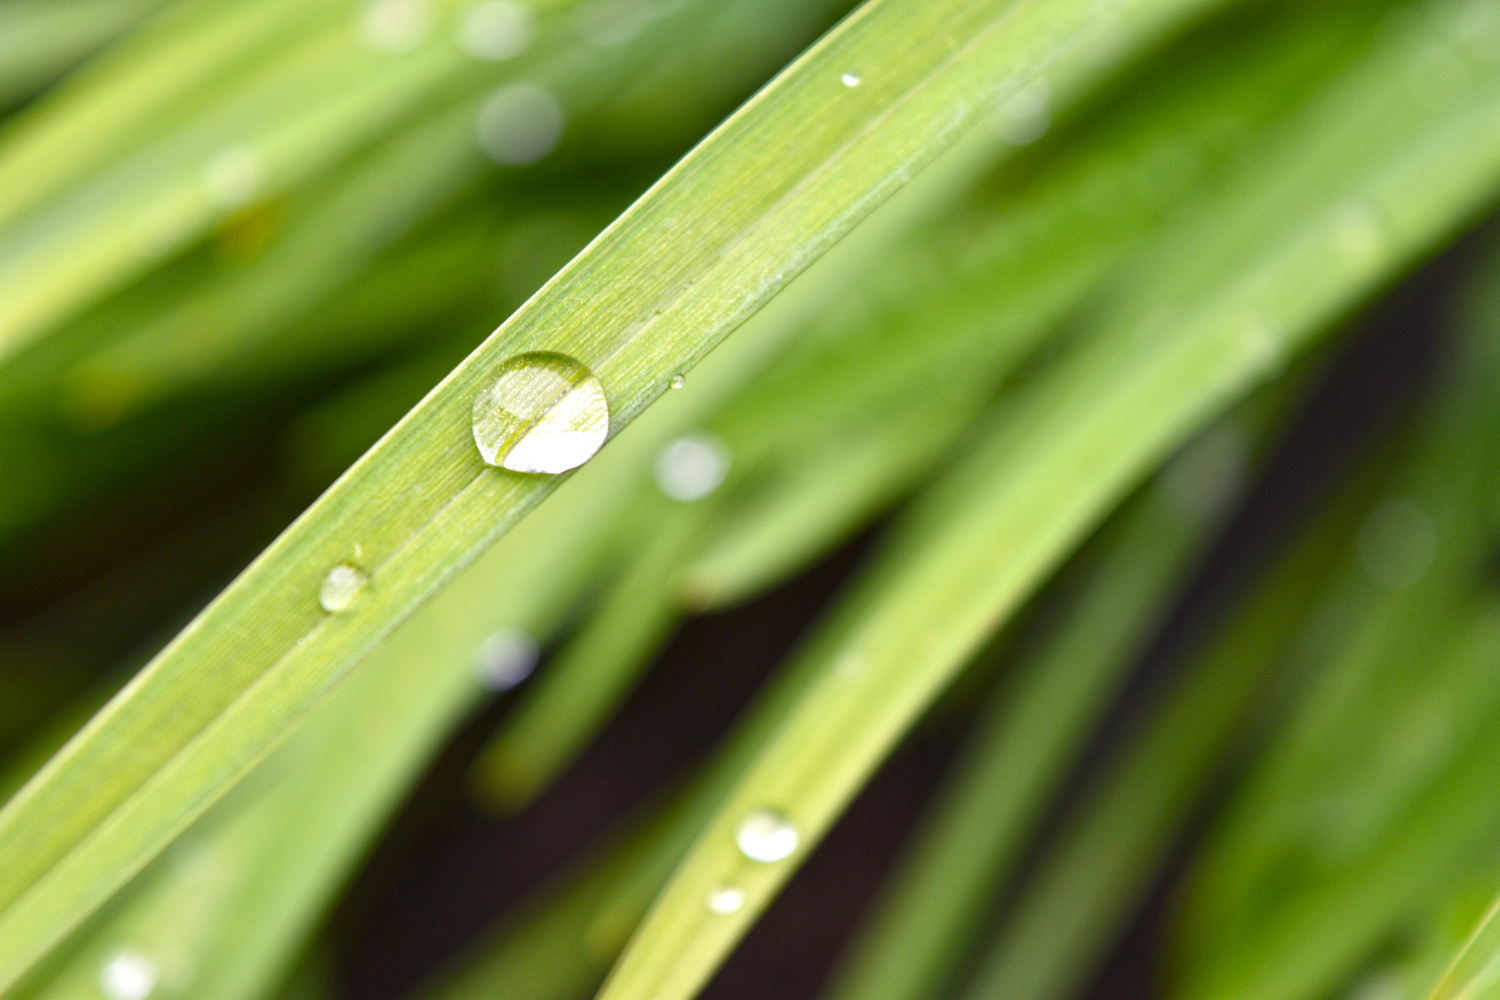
x,y
1475,971
1077,439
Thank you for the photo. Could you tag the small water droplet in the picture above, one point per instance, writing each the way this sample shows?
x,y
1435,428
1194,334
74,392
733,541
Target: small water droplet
x,y
725,899
850,79
692,467
495,31
395,25
341,588
1396,543
519,123
1359,232
678,381
233,177
543,413
766,835
505,659
1026,115
128,975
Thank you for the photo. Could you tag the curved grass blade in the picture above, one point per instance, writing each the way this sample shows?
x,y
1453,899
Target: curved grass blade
x,y
1077,438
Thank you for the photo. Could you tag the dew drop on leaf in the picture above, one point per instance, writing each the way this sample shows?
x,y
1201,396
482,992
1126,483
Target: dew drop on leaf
x,y
766,835
692,467
725,899
541,412
341,588
678,381
505,659
128,975
850,79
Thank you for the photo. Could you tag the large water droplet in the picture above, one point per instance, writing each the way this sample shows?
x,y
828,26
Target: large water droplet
x,y
495,31
725,899
519,123
692,467
505,659
341,588
766,835
128,975
543,412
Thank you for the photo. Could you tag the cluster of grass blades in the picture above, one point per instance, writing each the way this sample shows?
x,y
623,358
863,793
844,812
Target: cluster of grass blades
x,y
1039,286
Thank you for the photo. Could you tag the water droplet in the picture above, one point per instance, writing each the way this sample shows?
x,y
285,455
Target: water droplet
x,y
692,467
495,31
505,659
1396,543
395,25
766,835
1026,115
608,23
1359,232
233,177
725,899
341,588
543,412
128,975
519,123
850,79
678,381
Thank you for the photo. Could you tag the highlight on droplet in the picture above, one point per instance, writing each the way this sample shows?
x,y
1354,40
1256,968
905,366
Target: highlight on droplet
x,y
542,412
341,588
395,25
726,899
850,79
128,975
766,836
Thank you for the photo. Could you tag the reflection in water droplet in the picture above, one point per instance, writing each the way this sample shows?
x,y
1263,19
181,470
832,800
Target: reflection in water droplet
x,y
128,975
765,835
1396,543
678,381
505,659
1359,231
395,25
543,412
341,588
495,31
726,899
1026,115
233,177
692,467
850,79
519,123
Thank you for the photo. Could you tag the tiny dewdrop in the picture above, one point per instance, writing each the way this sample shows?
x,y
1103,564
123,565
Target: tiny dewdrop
x,y
850,79
128,975
505,659
726,899
541,413
495,31
341,588
691,467
678,381
766,836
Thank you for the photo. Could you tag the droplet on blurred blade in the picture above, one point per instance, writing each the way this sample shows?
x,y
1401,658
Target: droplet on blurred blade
x,y
850,79
395,25
519,123
765,836
542,412
233,177
726,899
341,588
128,975
678,381
1396,543
505,659
692,467
1026,115
495,31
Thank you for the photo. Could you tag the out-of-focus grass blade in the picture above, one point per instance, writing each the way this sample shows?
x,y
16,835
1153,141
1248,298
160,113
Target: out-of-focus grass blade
x,y
1074,904
39,39
1475,971
1369,175
1034,723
